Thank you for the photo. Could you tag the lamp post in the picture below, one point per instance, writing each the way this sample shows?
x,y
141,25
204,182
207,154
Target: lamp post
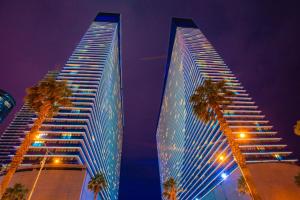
x,y
38,175
43,162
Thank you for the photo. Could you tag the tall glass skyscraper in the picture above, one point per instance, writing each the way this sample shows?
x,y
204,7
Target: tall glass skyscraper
x,y
87,136
7,103
196,154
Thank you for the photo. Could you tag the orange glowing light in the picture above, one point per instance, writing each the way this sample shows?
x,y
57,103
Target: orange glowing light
x,y
221,158
242,135
56,160
38,136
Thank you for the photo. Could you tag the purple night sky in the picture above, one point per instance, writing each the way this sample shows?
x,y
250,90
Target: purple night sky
x,y
258,39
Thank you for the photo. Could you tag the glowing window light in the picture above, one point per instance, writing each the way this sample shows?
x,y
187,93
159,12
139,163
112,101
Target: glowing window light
x,y
66,136
56,160
75,111
242,135
278,157
37,143
221,157
40,135
229,113
224,176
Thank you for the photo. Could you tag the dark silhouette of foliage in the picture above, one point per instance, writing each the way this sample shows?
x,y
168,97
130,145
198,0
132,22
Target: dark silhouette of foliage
x,y
97,184
17,192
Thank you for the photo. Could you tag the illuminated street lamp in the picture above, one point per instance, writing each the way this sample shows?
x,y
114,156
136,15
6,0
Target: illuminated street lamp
x,y
38,175
221,157
43,162
242,135
56,160
38,136
37,140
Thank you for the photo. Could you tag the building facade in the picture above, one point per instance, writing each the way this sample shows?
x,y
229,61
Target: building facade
x,y
7,103
88,136
196,154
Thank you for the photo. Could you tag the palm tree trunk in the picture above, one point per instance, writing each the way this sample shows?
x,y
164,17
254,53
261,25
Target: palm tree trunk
x,y
239,157
96,194
173,194
22,150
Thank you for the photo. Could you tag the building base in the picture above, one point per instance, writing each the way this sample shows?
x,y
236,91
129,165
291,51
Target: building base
x,y
274,181
63,183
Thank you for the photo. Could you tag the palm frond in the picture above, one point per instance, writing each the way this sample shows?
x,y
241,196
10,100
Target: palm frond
x,y
209,96
169,188
97,183
50,91
242,186
18,191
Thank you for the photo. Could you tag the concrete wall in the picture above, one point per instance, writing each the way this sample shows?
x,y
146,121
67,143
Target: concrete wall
x,y
274,181
53,184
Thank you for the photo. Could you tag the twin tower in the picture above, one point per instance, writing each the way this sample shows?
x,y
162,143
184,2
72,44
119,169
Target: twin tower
x,y
87,138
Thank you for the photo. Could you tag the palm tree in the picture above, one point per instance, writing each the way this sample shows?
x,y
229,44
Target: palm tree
x,y
242,186
297,179
297,128
209,101
170,189
45,98
97,184
17,192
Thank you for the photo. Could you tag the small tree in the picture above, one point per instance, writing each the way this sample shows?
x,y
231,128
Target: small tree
x,y
242,186
297,179
297,128
17,192
97,184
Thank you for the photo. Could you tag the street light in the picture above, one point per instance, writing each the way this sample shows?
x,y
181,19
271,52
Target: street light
x,y
224,176
56,160
43,162
39,173
38,136
221,157
242,135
